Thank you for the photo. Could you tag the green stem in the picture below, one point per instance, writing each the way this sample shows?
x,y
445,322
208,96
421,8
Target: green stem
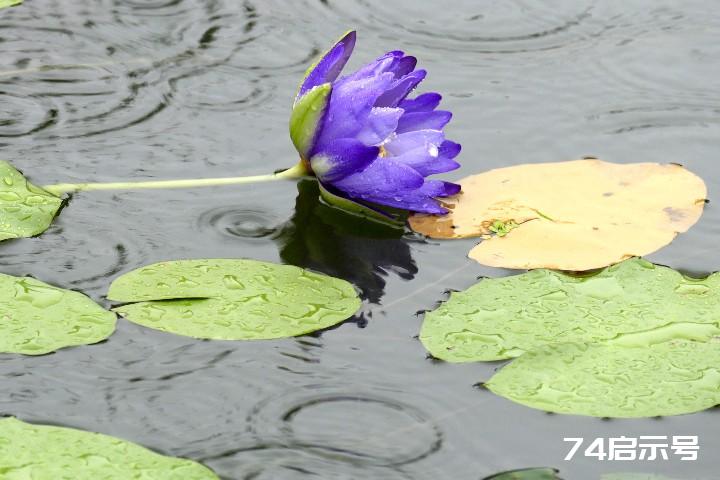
x,y
297,171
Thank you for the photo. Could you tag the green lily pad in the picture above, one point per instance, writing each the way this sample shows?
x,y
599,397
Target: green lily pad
x,y
9,3
37,318
25,209
609,380
44,452
635,302
527,474
233,299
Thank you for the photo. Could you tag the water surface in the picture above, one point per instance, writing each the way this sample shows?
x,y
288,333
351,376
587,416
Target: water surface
x,y
105,90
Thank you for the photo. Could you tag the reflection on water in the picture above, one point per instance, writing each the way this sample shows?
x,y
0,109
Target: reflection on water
x,y
103,90
326,239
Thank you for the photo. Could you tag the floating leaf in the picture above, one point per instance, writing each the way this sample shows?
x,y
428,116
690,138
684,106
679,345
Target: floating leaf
x,y
609,380
577,215
45,452
9,3
37,318
527,474
25,209
634,302
233,299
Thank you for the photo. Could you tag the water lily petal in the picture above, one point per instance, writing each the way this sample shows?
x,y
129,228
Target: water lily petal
x,y
350,106
419,200
427,161
329,66
449,149
403,66
409,141
380,123
388,182
382,177
434,120
376,67
341,158
425,102
400,89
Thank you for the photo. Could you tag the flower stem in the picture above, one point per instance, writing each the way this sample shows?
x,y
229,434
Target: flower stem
x,y
297,171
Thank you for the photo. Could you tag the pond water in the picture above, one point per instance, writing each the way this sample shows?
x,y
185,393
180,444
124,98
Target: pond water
x,y
107,90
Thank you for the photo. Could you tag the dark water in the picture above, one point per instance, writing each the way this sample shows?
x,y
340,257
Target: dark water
x,y
101,90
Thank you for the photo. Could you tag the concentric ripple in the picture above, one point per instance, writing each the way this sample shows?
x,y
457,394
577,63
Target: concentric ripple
x,y
241,223
267,462
223,88
380,431
629,118
22,115
497,27
645,59
74,94
84,253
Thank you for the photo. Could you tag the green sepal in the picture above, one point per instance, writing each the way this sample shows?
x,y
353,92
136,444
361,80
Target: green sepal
x,y
9,3
392,217
306,115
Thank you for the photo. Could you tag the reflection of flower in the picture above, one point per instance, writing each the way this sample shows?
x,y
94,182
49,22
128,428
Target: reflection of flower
x,y
365,140
328,240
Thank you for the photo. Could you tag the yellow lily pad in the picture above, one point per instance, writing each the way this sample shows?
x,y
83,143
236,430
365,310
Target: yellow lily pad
x,y
577,215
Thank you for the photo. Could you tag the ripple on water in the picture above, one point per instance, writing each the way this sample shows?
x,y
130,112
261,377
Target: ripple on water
x,y
380,431
643,59
222,88
77,87
631,117
497,27
252,222
85,254
21,114
267,462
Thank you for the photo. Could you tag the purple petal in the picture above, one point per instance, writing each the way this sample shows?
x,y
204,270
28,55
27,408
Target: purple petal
x,y
376,67
449,149
435,120
425,102
341,158
400,89
427,161
390,183
330,65
441,188
406,142
379,125
420,199
423,199
351,102
403,66
381,178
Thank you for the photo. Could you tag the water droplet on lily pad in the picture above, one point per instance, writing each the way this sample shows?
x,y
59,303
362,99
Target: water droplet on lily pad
x,y
232,299
37,318
608,380
634,303
47,452
25,209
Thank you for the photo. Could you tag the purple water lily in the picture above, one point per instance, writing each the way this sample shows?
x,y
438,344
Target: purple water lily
x,y
365,140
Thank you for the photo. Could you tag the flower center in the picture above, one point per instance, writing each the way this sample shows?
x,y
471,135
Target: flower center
x,y
383,152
